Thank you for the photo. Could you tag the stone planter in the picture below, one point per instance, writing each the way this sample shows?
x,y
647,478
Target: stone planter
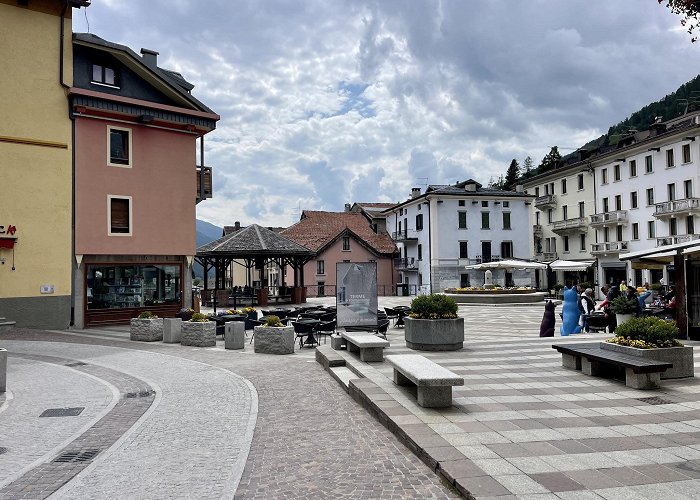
x,y
681,357
434,334
146,330
234,335
621,318
274,340
172,330
198,334
3,370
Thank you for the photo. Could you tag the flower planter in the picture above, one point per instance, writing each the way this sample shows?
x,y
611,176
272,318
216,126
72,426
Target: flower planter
x,y
681,357
434,334
146,330
198,334
274,339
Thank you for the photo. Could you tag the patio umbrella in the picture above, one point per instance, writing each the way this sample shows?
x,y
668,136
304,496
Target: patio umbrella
x,y
570,265
507,264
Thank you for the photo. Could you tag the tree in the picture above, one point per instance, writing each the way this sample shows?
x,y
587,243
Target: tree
x,y
512,174
496,184
550,160
528,165
688,10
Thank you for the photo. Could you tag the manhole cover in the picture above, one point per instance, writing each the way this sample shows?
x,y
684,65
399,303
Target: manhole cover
x,y
76,456
76,363
3,450
656,400
142,394
62,412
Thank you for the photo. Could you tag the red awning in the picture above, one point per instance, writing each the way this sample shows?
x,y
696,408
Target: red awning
x,y
7,242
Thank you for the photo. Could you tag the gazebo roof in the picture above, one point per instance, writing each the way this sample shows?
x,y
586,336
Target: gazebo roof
x,y
253,241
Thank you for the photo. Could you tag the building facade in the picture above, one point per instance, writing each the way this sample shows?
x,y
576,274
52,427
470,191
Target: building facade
x,y
441,231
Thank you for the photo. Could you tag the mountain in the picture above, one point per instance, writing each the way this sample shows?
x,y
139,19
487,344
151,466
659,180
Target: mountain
x,y
206,232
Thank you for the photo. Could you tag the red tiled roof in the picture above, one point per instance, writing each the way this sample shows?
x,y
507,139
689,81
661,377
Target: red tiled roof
x,y
317,229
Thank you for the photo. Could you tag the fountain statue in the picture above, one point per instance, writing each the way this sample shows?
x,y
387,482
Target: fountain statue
x,y
488,280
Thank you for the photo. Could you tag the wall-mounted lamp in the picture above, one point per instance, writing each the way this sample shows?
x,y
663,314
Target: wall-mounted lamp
x,y
654,149
620,160
689,138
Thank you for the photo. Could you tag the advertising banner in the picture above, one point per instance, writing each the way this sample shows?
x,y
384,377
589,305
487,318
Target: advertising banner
x,y
356,294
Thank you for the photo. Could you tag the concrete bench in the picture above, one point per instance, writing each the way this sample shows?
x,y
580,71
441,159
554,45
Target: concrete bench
x,y
640,373
370,347
433,382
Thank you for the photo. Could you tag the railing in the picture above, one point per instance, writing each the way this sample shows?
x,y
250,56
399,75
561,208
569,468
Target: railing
x,y
406,263
549,255
537,229
672,240
610,247
204,183
382,290
483,259
606,218
548,200
406,234
674,207
570,224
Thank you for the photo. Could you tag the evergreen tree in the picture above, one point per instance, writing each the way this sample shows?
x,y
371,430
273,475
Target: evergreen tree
x,y
550,160
528,165
512,175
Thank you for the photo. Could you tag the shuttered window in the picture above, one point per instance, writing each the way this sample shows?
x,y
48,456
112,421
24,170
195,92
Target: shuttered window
x,y
119,215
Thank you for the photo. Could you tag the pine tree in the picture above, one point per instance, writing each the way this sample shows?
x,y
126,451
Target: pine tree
x,y
528,165
550,160
512,175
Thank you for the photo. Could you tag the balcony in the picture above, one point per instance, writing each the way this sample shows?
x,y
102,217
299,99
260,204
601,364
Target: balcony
x,y
546,201
680,238
483,259
685,206
609,218
549,255
406,264
537,229
405,235
609,247
204,185
579,224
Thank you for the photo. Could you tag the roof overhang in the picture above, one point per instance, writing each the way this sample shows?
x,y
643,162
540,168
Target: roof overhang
x,y
663,251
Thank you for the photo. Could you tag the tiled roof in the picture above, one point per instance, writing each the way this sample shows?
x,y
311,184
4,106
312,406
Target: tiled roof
x,y
251,240
232,229
376,205
318,229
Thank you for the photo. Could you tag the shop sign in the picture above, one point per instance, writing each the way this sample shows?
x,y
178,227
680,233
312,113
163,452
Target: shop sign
x,y
7,236
9,229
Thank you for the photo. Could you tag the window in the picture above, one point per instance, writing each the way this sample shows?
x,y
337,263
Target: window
x,y
618,202
401,211
551,188
619,233
462,216
506,220
346,261
463,280
463,250
133,285
506,204
669,158
686,153
537,191
673,226
485,220
420,252
580,182
103,75
537,217
606,205
635,230
419,206
564,212
581,209
320,267
634,202
485,204
651,229
606,234
461,203
566,243
582,242
119,144
549,216
650,196
671,188
119,215
563,186
616,173
688,188
648,165
399,226
633,168
604,174
346,243
506,249
419,222
690,225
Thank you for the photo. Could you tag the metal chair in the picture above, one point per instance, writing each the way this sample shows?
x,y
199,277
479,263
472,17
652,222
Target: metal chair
x,y
391,314
303,331
382,328
325,329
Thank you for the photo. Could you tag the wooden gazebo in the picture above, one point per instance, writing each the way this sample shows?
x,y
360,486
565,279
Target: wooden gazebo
x,y
255,246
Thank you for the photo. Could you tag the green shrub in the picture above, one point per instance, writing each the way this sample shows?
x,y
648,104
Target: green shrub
x,y
623,305
656,332
199,318
272,321
558,286
433,306
147,315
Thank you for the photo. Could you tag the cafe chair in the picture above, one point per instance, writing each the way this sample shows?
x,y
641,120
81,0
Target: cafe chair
x,y
303,331
391,314
325,329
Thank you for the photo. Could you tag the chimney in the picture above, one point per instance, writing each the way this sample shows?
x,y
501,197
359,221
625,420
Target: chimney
x,y
415,192
237,226
347,207
150,57
519,188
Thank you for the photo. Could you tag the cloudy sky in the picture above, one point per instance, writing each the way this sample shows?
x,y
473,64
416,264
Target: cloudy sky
x,y
327,102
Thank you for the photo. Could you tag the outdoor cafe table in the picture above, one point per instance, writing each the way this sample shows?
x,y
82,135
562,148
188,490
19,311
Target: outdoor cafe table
x,y
314,313
280,313
402,312
310,340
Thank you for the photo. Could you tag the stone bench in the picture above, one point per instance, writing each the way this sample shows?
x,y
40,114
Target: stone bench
x,y
433,382
640,373
370,347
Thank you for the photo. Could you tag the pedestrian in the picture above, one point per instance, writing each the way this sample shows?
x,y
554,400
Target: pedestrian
x,y
587,306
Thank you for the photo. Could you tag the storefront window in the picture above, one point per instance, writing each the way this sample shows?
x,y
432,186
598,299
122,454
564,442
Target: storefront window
x,y
137,285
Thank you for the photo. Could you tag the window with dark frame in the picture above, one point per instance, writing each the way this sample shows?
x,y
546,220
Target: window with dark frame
x,y
650,196
461,203
566,243
420,252
506,249
104,75
634,202
119,146
119,215
346,242
419,222
651,229
690,224
563,186
463,250
635,230
485,220
580,182
688,188
633,168
616,172
582,242
669,158
648,164
619,233
462,220
581,209
673,226
686,153
506,220
320,267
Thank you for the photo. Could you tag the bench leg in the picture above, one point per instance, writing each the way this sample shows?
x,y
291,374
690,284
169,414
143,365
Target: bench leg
x,y
570,361
372,354
400,379
352,347
593,368
642,380
337,342
435,397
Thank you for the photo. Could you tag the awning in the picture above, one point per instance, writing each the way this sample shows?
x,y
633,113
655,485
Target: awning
x,y
507,264
663,250
570,265
613,265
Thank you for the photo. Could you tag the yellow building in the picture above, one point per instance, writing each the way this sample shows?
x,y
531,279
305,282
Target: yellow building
x,y
36,162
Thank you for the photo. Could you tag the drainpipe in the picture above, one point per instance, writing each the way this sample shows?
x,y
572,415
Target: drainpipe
x,y
61,45
430,238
